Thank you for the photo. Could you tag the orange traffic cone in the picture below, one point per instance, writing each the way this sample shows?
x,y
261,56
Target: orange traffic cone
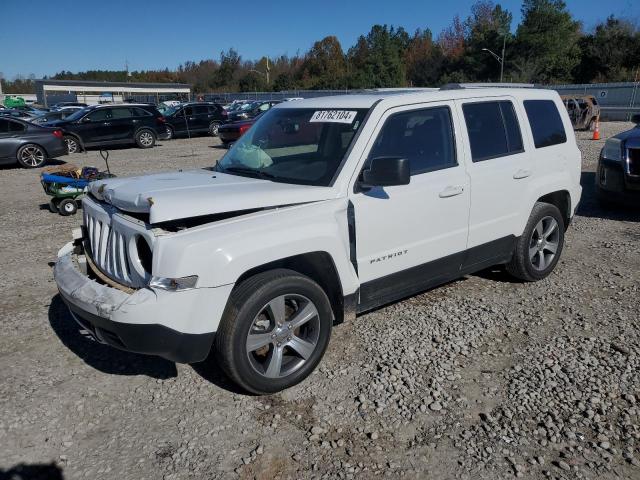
x,y
596,131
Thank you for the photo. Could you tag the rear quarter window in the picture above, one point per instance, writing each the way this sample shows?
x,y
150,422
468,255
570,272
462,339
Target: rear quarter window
x,y
546,124
493,129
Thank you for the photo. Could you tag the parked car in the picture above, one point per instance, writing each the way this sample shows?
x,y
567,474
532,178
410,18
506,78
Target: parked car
x,y
27,144
325,208
54,115
584,111
61,105
15,113
250,110
618,170
31,110
102,125
231,132
189,118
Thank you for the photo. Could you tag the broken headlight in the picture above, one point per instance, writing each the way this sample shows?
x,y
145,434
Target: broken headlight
x,y
174,284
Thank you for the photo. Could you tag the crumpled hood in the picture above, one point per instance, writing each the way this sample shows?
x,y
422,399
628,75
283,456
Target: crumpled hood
x,y
178,195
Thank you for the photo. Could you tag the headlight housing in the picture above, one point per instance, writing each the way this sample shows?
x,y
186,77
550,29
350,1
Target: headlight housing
x,y
612,150
174,284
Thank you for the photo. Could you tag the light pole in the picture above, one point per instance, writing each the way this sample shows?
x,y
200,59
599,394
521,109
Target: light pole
x,y
499,58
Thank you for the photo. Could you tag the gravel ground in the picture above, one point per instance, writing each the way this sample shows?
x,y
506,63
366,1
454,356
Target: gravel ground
x,y
481,378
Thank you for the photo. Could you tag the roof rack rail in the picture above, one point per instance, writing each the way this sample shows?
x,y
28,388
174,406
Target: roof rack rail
x,y
458,86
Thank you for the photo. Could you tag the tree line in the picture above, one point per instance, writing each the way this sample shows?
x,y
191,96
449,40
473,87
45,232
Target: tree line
x,y
548,46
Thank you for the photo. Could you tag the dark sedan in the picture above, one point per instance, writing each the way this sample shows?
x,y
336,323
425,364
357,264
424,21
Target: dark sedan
x,y
52,116
230,132
250,110
190,118
618,171
27,144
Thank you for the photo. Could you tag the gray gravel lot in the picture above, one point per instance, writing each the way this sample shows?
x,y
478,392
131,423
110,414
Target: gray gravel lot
x,y
481,378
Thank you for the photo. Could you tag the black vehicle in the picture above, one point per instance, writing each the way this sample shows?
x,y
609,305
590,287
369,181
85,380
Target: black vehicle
x,y
59,105
197,117
250,110
52,116
27,144
15,113
618,171
101,125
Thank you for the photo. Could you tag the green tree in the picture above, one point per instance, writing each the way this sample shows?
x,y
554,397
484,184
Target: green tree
x,y
377,59
324,66
547,47
424,60
610,53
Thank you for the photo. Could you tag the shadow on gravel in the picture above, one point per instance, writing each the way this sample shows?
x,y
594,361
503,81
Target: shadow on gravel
x,y
210,371
496,274
103,357
591,207
36,471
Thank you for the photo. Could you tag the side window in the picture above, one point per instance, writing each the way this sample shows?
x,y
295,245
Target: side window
x,y
201,110
213,109
493,129
139,112
16,127
4,126
120,113
545,121
100,115
187,111
424,137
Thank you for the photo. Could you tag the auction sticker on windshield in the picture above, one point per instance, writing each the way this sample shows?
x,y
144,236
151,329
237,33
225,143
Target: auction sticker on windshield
x,y
333,116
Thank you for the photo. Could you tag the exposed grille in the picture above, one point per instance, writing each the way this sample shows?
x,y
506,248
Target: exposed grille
x,y
109,250
634,161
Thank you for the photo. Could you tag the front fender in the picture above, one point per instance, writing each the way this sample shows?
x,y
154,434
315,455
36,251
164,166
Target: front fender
x,y
219,253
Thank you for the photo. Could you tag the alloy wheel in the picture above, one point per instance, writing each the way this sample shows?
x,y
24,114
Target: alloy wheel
x,y
146,139
72,145
544,243
283,335
32,156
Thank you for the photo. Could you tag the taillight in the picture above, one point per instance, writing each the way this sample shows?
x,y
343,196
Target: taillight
x,y
57,133
161,120
244,128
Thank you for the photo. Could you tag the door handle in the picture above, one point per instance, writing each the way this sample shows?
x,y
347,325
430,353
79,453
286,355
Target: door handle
x,y
451,191
521,174
107,124
191,118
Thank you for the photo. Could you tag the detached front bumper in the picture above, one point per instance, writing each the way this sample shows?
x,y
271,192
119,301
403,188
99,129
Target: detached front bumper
x,y
178,326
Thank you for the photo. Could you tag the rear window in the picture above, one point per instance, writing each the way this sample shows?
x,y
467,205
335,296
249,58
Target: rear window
x,y
201,109
493,129
545,121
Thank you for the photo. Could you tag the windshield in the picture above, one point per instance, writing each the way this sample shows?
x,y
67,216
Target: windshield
x,y
294,145
170,110
78,114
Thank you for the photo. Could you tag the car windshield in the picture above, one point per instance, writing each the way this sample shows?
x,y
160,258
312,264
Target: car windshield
x,y
294,145
170,110
77,115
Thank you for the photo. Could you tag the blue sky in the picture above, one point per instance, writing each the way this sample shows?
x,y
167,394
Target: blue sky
x,y
45,36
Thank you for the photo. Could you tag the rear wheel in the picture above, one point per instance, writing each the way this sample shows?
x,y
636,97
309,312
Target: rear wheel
x,y
169,132
73,146
31,156
213,128
145,139
538,249
274,331
68,206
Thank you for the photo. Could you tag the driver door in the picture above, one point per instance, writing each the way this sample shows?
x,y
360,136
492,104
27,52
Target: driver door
x,y
411,237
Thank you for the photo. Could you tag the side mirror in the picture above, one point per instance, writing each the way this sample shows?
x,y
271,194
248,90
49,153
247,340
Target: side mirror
x,y
386,172
635,118
85,119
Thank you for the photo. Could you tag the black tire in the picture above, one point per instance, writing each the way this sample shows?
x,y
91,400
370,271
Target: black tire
x,y
213,128
522,265
31,156
145,138
170,133
246,303
67,206
73,145
53,206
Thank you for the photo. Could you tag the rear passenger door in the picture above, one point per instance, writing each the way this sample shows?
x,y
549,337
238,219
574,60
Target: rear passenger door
x,y
201,118
122,124
500,169
409,237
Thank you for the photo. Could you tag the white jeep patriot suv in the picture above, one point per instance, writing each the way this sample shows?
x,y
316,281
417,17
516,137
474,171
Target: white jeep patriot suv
x,y
325,208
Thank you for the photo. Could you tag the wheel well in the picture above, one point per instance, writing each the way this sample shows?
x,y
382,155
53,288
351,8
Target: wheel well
x,y
319,267
76,136
148,129
562,200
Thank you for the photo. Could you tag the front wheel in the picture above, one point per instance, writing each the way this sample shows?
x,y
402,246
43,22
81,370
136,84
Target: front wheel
x,y
274,331
169,132
73,146
145,139
538,249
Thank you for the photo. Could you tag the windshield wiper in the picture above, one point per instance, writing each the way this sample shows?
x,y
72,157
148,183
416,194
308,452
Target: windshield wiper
x,y
249,171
